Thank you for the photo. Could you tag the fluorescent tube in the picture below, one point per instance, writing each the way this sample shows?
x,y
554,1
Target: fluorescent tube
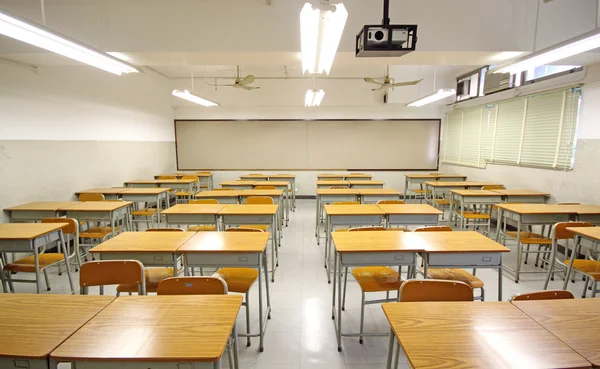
x,y
313,97
186,95
439,95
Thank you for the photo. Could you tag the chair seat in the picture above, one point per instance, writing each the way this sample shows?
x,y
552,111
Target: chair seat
x,y
97,232
202,228
184,193
27,264
377,278
238,279
442,201
153,277
473,215
530,238
263,227
455,275
144,212
590,267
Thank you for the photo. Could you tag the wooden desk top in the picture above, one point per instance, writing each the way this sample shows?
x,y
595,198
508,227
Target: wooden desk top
x,y
161,181
416,175
538,208
97,206
380,241
194,209
227,242
212,194
585,209
476,335
271,183
238,183
369,182
341,191
42,206
104,191
330,175
575,322
363,209
409,209
145,191
454,242
449,176
358,176
468,193
378,191
592,233
244,209
27,231
275,193
289,176
459,184
149,329
34,325
199,174
144,242
521,193
333,183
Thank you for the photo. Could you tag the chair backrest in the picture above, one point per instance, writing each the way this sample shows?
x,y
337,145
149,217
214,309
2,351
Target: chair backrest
x,y
265,187
569,203
192,286
435,173
223,189
346,203
110,272
433,229
237,229
195,178
71,228
560,232
259,200
338,187
543,295
164,230
167,177
493,187
421,290
255,174
204,201
91,197
374,228
384,202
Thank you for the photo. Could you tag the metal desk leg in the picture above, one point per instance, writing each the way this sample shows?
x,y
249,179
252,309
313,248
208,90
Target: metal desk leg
x,y
236,363
66,254
36,261
500,280
287,208
391,347
339,294
519,250
334,289
406,184
317,220
570,267
261,347
158,209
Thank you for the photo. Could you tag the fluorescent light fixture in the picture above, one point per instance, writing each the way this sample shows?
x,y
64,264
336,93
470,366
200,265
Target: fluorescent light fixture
x,y
313,97
439,95
45,38
189,96
321,31
119,56
577,45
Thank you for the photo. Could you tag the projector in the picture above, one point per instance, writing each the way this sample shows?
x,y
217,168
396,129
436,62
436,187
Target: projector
x,y
386,40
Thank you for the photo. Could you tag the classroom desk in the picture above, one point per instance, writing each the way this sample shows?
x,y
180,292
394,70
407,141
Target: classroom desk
x,y
438,188
149,248
358,177
330,177
361,184
330,183
34,325
420,179
356,249
329,196
110,193
30,238
373,195
235,250
347,215
254,177
203,178
155,332
574,322
292,180
473,335
283,186
223,197
467,249
147,195
175,184
38,210
276,195
523,196
256,214
102,211
194,214
239,185
530,215
410,214
464,198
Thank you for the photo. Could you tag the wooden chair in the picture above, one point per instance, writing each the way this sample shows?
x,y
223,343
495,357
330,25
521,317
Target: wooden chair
x,y
258,200
542,295
493,187
224,189
432,290
204,201
390,202
205,227
338,187
46,259
192,286
453,274
183,195
588,267
167,177
240,280
265,187
372,279
111,272
91,197
202,187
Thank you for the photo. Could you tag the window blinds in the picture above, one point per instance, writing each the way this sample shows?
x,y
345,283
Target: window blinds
x,y
532,131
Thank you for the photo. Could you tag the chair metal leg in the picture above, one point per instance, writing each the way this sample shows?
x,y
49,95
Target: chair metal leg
x,y
362,315
587,281
344,292
47,280
248,341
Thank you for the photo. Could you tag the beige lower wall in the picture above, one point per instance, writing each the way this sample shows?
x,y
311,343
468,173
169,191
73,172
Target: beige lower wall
x,y
578,185
54,170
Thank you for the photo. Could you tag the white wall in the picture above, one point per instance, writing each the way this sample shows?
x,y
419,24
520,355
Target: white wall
x,y
579,185
71,128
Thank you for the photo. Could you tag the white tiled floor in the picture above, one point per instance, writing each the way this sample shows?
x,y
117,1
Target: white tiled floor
x,y
300,334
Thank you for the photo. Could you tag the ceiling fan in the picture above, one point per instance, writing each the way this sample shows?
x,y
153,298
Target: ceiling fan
x,y
387,82
243,83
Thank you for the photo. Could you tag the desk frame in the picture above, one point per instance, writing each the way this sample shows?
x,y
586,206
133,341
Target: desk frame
x,y
326,200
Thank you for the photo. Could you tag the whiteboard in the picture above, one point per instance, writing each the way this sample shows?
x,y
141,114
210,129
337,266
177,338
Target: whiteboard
x,y
307,144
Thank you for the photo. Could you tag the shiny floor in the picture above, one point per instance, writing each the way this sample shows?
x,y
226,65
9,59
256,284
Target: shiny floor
x,y
301,334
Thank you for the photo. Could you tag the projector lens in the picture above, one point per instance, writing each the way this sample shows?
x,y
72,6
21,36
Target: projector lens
x,y
379,35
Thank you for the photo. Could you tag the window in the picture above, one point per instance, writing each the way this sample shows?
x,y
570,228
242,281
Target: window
x,y
531,131
470,85
548,70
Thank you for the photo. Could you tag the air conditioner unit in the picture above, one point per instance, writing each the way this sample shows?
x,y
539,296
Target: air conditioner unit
x,y
495,82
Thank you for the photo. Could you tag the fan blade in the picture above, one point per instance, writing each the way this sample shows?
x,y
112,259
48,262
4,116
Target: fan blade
x,y
247,80
382,87
239,85
371,80
407,83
